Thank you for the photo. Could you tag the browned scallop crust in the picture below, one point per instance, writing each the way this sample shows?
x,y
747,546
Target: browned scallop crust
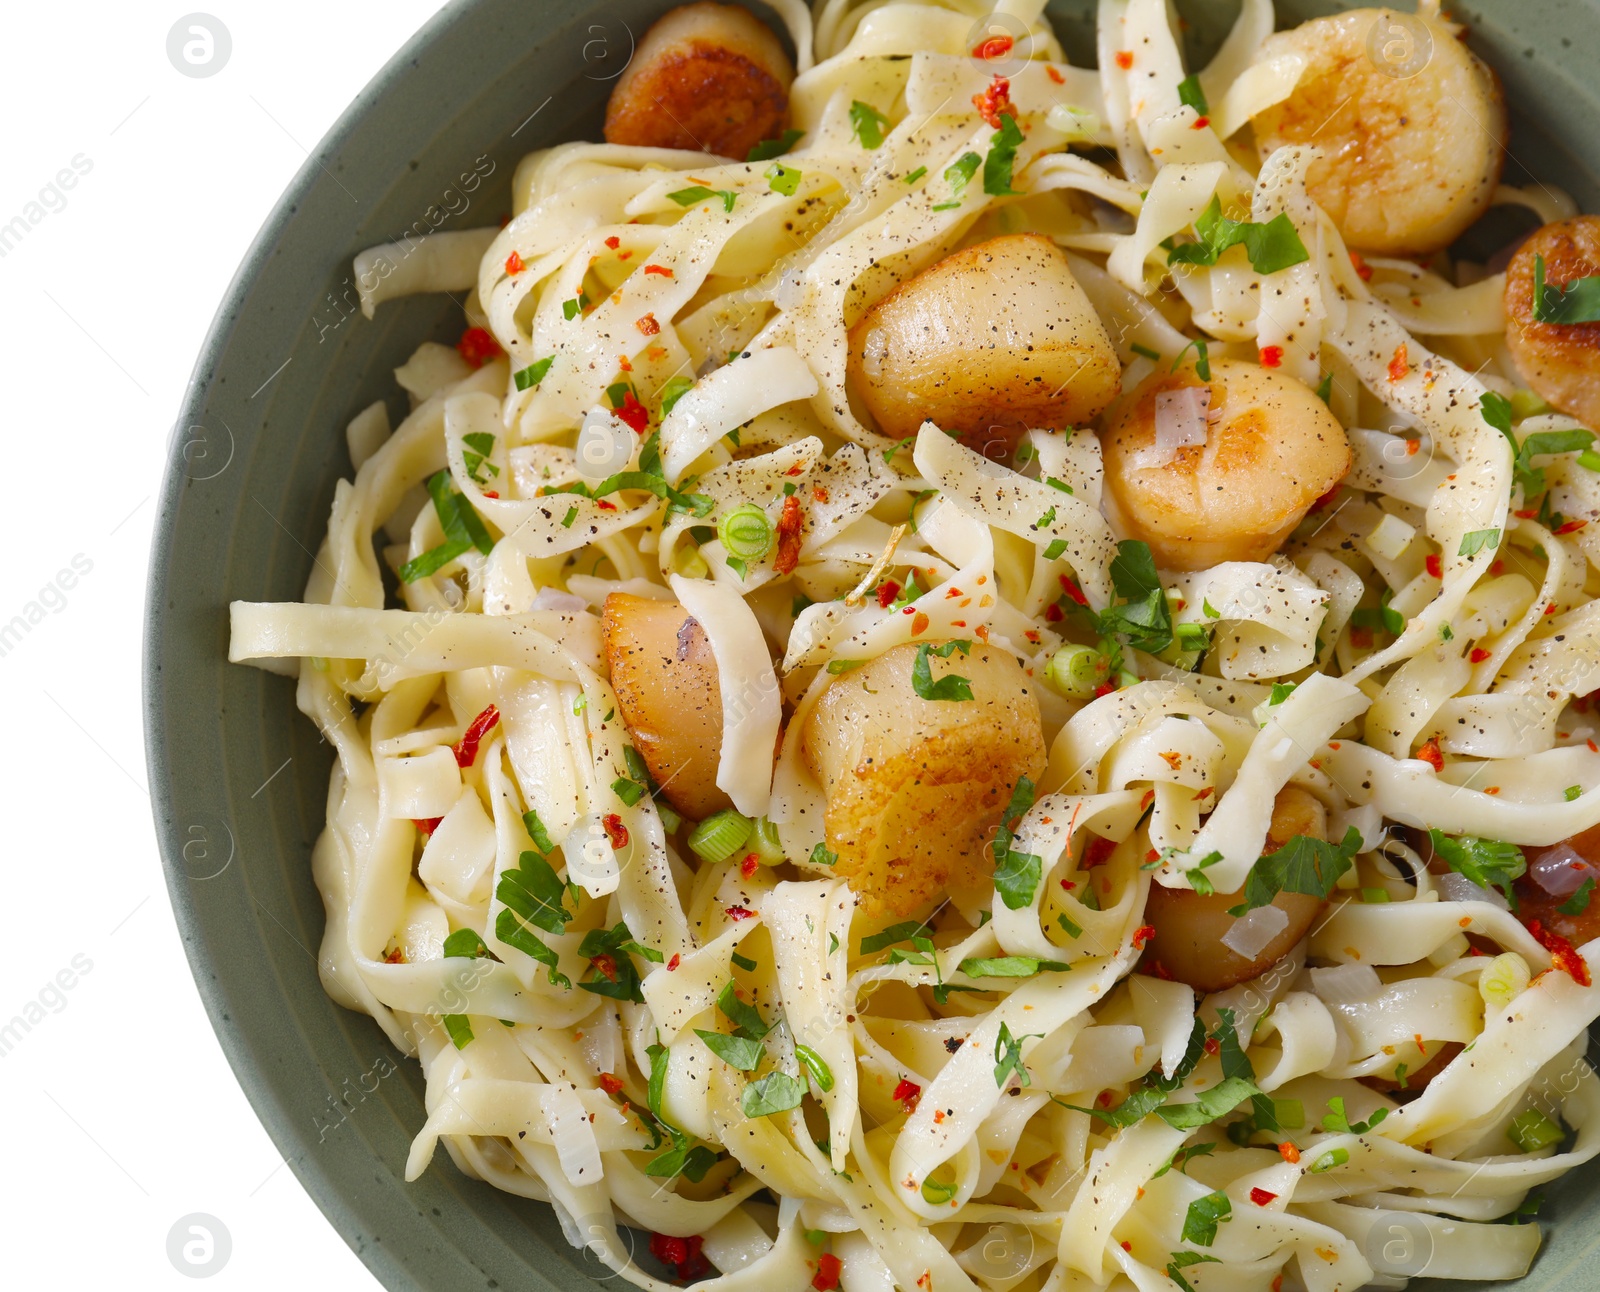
x,y
1273,451
1189,927
916,787
992,340
707,77
1560,361
669,697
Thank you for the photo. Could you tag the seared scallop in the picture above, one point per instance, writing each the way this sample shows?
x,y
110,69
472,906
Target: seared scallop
x,y
989,342
1189,926
669,697
1411,124
1271,449
1561,361
706,77
914,786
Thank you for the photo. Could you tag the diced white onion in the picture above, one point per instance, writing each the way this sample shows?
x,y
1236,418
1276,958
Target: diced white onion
x,y
1250,934
1561,871
1180,424
1458,888
1391,537
1346,984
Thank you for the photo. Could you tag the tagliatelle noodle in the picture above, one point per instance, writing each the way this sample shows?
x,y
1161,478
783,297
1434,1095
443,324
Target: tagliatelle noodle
x,y
920,1112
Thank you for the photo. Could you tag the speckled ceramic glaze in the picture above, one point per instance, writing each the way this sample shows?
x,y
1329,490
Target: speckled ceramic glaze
x,y
257,449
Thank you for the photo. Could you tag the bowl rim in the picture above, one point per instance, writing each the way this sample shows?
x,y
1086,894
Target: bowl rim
x,y
287,1132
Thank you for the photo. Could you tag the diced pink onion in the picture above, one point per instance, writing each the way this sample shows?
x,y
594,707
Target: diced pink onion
x,y
1560,871
1346,984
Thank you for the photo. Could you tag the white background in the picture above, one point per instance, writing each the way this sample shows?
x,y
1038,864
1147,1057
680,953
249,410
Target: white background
x,y
120,1113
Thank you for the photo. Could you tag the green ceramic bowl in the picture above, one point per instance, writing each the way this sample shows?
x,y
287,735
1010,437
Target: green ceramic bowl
x,y
239,779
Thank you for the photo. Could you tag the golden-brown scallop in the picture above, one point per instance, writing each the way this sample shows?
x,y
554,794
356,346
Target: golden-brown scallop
x,y
1411,123
669,697
990,341
708,77
1272,449
914,786
1561,361
1189,927
1534,903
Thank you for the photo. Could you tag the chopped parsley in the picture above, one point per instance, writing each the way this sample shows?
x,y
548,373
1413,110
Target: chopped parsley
x,y
1486,862
767,149
867,124
1271,247
958,174
1016,873
1574,302
950,687
1303,865
1002,157
699,193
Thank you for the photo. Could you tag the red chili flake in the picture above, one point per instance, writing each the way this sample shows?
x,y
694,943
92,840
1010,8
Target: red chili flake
x,y
1550,609
1412,447
1429,753
795,470
1277,1283
1361,638
1053,613
514,264
675,961
1071,588
607,506
1571,527
1421,1048
1563,955
1126,1245
907,1093
613,242
1055,76
428,825
1097,853
1435,565
610,1083
1271,356
682,1254
1288,1152
1363,269
1326,498
1148,798
1479,654
1527,513
466,749
888,590
624,255
819,493
919,624
616,832
1124,59
737,913
1105,688
658,269
747,867
827,1276
624,364
1152,856
1206,793
1400,365
491,493
789,525
1143,934
1213,1046
1497,569
1068,884
994,101
477,347
647,325
634,413
1594,748
1103,1099
605,966
994,47
395,957
1159,970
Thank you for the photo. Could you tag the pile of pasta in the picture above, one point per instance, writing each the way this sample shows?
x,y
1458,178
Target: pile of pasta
x,y
736,1055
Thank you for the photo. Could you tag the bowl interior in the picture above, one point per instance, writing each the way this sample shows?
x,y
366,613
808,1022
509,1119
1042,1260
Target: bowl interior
x,y
240,780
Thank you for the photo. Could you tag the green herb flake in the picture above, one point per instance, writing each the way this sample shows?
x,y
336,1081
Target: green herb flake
x,y
867,124
1204,1215
947,688
777,1092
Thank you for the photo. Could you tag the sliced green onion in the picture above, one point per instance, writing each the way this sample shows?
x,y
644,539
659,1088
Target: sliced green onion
x,y
1531,1131
1077,671
746,532
814,1063
1332,1158
764,842
782,179
718,837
